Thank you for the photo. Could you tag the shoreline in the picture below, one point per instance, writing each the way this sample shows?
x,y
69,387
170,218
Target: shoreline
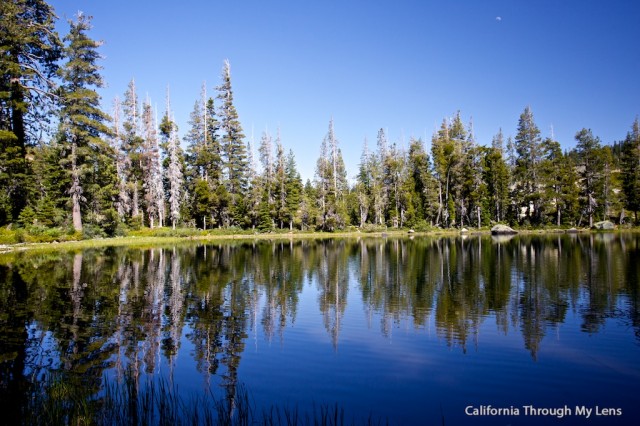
x,y
154,240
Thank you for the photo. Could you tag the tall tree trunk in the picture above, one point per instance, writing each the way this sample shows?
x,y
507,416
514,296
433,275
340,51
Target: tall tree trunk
x,y
439,202
19,193
135,211
77,216
76,192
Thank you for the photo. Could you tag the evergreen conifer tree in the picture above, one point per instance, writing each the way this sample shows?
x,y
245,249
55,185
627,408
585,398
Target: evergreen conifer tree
x,y
496,179
447,149
590,166
174,165
233,146
131,145
526,172
152,168
293,187
363,185
81,120
31,49
631,169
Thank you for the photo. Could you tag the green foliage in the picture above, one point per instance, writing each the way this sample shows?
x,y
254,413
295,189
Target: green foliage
x,y
90,231
9,236
265,217
331,184
590,163
527,167
232,144
165,232
31,49
446,150
38,234
631,170
202,202
372,228
495,175
559,177
82,121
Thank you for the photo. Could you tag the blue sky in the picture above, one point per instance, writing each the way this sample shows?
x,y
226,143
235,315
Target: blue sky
x,y
403,66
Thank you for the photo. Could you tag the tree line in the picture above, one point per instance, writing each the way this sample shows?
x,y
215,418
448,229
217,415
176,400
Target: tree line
x,y
64,162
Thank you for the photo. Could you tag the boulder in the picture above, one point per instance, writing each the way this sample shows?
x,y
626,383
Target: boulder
x,y
464,230
572,231
503,230
605,225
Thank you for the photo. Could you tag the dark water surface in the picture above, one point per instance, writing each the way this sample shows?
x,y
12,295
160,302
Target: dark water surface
x,y
411,330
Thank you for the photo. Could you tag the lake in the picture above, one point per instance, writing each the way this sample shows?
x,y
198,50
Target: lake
x,y
425,330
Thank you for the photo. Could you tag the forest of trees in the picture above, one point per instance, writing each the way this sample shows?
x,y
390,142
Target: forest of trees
x,y
65,163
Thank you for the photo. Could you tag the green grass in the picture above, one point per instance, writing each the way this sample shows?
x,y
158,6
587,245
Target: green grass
x,y
55,238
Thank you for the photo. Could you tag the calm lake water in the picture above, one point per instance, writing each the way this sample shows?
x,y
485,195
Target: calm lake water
x,y
410,330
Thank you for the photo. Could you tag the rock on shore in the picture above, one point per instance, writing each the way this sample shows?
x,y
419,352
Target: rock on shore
x,y
605,225
503,230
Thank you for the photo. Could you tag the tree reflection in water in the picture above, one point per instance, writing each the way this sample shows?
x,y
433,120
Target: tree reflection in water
x,y
102,313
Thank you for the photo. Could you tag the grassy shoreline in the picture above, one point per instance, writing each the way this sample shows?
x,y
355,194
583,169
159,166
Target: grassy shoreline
x,y
167,236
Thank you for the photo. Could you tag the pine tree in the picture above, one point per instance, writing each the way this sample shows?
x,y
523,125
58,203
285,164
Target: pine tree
x,y
497,142
550,174
331,183
590,166
280,184
609,181
496,179
174,166
293,188
123,202
31,49
526,171
233,147
379,189
266,159
323,182
342,196
204,159
51,181
496,175
418,182
309,211
81,120
152,168
196,143
446,149
631,169
472,188
131,145
255,191
364,185
394,168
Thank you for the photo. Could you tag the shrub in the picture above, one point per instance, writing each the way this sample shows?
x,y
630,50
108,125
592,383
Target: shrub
x,y
370,228
90,231
8,236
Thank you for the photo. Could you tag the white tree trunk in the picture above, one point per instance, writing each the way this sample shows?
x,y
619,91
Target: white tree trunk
x,y
76,192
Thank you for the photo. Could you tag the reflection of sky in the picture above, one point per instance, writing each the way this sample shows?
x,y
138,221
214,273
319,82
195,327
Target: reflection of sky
x,y
413,371
381,363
